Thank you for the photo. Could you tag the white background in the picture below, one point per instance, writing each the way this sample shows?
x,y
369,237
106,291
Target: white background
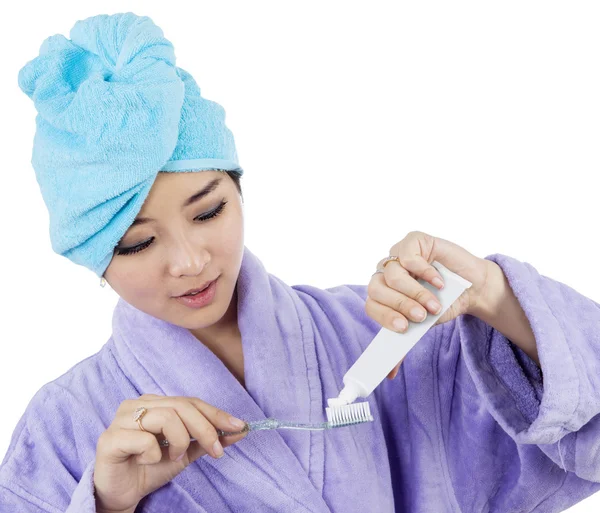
x,y
355,122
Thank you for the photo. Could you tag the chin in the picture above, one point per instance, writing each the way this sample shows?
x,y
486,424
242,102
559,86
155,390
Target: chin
x,y
201,318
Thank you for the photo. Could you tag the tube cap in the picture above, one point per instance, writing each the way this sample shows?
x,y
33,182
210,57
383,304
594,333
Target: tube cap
x,y
348,395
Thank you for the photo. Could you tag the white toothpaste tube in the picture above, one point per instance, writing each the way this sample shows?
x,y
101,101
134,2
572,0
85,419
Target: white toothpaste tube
x,y
389,347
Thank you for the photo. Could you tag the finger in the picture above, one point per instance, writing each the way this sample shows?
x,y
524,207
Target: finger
x,y
419,267
228,440
385,316
164,417
219,418
117,445
199,419
204,432
380,291
397,285
165,420
127,406
222,420
196,451
176,431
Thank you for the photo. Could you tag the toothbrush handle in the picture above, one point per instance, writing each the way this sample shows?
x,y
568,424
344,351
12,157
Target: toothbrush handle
x,y
276,424
279,424
262,425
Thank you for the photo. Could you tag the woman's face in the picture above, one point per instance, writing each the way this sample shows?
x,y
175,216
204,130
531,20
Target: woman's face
x,y
182,246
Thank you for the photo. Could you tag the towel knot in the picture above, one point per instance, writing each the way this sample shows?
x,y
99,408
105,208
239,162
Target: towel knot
x,y
102,71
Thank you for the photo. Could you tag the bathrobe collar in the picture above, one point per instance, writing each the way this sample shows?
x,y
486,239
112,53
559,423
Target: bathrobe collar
x,y
281,381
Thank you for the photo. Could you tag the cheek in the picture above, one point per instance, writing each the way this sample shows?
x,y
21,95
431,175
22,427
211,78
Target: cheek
x,y
231,235
134,284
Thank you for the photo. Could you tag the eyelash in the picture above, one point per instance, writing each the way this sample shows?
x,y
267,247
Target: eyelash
x,y
140,247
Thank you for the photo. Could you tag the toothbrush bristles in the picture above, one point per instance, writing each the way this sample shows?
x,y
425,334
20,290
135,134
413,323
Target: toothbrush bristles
x,y
349,414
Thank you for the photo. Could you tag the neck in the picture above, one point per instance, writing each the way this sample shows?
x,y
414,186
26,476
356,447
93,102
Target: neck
x,y
225,340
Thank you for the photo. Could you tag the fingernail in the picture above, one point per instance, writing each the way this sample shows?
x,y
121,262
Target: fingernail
x,y
417,313
237,423
434,306
399,324
437,282
218,449
179,458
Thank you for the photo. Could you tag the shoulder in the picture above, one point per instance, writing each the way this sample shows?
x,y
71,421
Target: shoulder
x,y
56,436
88,391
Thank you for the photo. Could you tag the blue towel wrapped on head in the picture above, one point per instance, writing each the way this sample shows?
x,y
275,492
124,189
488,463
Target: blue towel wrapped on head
x,y
113,111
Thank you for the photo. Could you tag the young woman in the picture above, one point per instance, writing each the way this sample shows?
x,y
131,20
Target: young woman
x,y
496,409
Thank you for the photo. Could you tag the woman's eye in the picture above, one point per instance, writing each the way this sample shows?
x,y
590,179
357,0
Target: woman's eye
x,y
134,249
213,213
204,217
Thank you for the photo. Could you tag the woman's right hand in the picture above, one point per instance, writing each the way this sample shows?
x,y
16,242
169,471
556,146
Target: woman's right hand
x,y
130,463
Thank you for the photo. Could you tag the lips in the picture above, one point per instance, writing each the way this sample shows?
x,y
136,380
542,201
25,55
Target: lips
x,y
195,292
202,299
192,292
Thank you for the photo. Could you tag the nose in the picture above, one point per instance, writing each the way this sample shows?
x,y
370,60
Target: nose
x,y
187,257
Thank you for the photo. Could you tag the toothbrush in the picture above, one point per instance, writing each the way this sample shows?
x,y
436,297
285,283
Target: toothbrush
x,y
338,416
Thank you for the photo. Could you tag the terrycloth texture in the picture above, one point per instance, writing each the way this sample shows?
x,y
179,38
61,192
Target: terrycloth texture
x,y
113,111
460,429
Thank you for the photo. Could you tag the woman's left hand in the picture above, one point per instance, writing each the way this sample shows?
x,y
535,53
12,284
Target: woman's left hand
x,y
396,296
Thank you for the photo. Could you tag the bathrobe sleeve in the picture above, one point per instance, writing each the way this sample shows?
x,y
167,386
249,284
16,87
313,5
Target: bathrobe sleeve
x,y
82,500
50,461
471,407
551,414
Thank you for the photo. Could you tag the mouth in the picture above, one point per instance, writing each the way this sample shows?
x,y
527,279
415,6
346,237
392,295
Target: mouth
x,y
196,291
197,298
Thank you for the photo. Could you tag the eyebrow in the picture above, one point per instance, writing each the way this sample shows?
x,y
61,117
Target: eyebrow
x,y
211,186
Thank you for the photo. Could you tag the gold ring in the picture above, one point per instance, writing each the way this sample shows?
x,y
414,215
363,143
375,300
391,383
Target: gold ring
x,y
138,414
390,259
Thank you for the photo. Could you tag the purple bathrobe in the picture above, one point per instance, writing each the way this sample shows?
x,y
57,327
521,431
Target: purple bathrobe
x,y
468,425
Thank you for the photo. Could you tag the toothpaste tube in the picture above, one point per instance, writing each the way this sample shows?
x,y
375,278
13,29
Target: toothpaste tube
x,y
389,347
